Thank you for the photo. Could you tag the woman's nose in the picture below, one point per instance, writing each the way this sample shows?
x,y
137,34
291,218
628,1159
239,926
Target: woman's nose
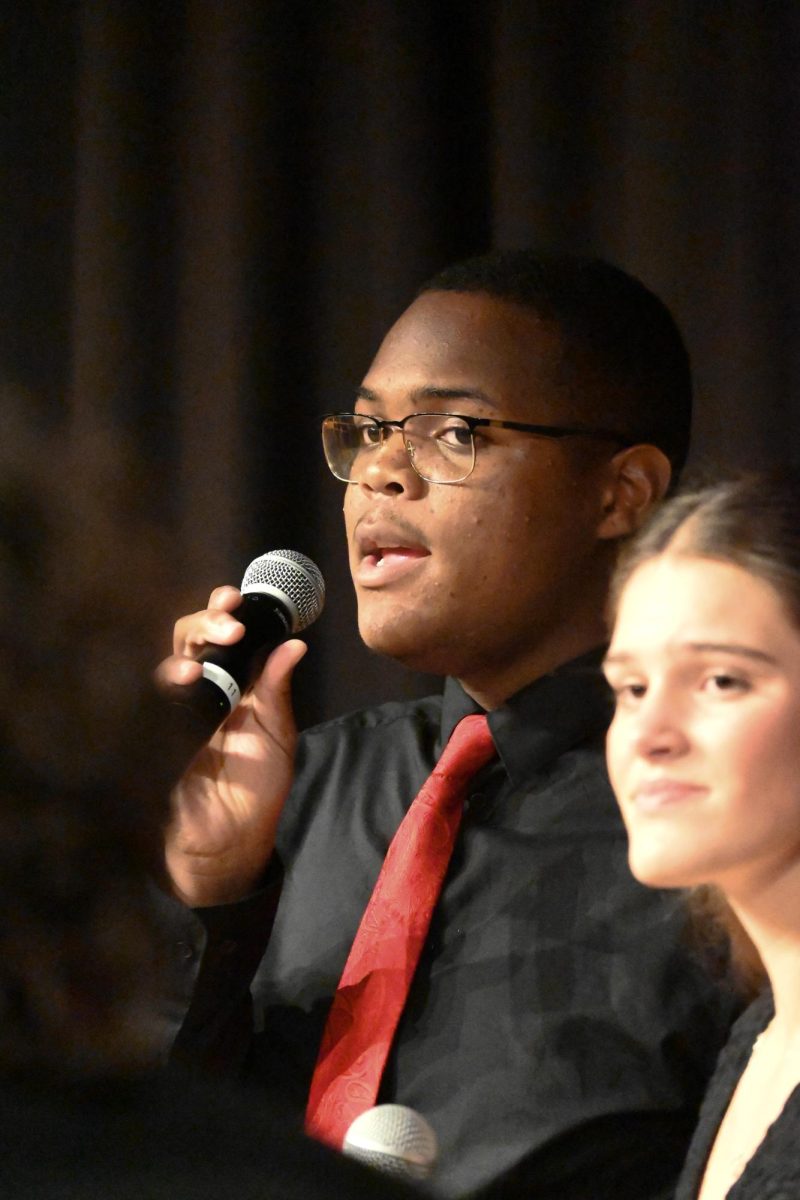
x,y
660,729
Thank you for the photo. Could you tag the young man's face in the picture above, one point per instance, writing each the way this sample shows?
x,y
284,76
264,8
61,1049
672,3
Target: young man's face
x,y
501,576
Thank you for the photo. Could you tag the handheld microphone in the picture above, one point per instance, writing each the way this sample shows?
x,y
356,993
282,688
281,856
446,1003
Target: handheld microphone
x,y
283,592
395,1139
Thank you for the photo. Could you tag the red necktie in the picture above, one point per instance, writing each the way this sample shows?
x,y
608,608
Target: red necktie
x,y
384,955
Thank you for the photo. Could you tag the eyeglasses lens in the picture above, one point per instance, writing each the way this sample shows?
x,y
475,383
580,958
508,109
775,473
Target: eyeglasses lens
x,y
439,445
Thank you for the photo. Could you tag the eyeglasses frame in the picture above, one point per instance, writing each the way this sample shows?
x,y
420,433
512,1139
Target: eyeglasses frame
x,y
473,423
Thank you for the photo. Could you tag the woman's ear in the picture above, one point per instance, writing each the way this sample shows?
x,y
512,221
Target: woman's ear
x,y
639,478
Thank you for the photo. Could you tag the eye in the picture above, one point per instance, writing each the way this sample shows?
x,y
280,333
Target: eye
x,y
456,435
724,683
369,434
627,692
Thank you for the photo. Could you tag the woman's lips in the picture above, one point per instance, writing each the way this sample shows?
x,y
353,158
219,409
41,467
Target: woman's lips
x,y
662,794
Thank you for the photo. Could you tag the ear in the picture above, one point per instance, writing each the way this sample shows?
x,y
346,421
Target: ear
x,y
639,477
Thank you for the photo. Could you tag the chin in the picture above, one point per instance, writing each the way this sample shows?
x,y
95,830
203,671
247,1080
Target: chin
x,y
405,647
657,873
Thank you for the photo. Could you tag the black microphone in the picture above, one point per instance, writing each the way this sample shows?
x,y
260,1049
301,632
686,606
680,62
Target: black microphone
x,y
283,592
395,1139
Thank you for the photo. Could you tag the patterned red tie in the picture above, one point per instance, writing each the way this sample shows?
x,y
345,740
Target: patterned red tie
x,y
377,975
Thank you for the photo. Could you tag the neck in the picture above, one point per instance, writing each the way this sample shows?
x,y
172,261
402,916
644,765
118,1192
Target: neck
x,y
772,920
495,683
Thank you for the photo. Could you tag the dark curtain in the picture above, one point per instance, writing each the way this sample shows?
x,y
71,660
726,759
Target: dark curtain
x,y
213,211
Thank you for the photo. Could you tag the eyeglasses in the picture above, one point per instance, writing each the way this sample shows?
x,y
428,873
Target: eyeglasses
x,y
440,446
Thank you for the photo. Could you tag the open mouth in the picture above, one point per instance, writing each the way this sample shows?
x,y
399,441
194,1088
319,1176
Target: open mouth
x,y
380,565
381,555
387,550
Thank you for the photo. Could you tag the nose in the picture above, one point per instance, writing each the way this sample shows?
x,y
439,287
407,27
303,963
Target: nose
x,y
659,729
387,468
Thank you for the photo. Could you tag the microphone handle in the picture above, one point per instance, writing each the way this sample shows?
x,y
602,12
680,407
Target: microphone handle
x,y
198,709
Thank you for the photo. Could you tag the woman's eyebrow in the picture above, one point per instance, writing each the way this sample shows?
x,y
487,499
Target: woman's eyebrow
x,y
732,648
622,656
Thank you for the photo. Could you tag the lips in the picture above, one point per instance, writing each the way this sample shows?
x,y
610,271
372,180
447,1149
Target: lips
x,y
658,795
386,552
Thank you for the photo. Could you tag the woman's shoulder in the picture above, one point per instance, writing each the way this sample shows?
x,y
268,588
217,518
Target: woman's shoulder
x,y
753,1020
730,1065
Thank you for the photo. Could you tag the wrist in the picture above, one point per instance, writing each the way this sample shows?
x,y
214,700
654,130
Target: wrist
x,y
199,882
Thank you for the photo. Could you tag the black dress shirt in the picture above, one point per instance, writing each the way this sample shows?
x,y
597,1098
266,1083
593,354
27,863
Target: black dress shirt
x,y
557,1028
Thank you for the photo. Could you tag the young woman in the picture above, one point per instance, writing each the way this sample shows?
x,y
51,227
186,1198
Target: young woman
x,y
704,756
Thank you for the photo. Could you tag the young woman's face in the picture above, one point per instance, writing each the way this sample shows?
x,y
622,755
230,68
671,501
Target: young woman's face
x,y
704,748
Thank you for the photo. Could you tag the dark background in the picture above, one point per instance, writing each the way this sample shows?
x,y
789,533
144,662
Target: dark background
x,y
211,212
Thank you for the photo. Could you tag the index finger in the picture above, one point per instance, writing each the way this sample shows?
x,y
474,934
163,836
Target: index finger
x,y
214,624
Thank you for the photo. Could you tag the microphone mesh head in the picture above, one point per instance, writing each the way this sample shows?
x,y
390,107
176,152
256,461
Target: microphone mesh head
x,y
393,1138
294,579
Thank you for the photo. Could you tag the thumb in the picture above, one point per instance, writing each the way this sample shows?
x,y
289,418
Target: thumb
x,y
276,678
272,693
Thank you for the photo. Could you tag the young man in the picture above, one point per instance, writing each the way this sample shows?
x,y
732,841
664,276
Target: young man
x,y
555,1027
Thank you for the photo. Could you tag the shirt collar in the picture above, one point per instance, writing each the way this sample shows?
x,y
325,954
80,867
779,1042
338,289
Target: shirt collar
x,y
555,713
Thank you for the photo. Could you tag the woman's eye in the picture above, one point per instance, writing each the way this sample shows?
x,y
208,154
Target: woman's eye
x,y
628,693
722,682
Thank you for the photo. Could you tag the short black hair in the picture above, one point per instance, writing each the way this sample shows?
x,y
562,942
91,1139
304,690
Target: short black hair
x,y
622,351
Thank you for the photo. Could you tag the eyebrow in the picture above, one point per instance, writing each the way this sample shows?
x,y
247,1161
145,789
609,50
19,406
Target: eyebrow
x,y
704,648
427,394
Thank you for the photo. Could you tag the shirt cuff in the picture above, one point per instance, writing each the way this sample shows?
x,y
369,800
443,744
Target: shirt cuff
x,y
217,1028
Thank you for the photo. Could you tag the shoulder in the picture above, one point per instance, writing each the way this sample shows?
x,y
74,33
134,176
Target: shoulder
x,y
370,755
730,1065
390,718
744,1032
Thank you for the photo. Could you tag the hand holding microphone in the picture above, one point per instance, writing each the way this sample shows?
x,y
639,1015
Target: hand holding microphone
x,y
281,594
228,801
